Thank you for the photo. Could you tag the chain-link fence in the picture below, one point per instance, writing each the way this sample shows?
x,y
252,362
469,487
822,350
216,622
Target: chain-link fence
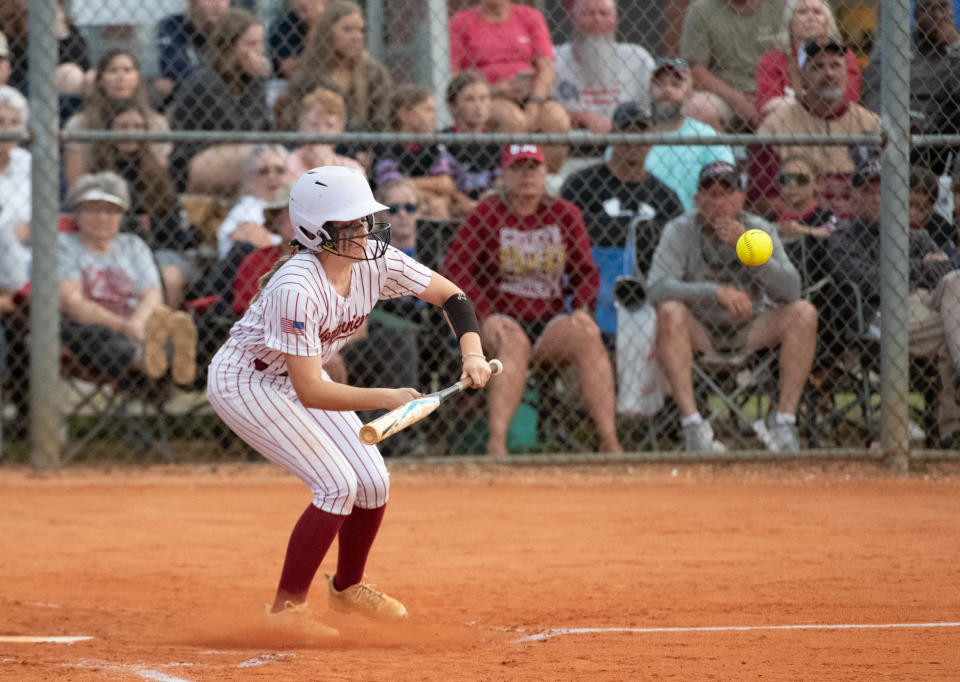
x,y
583,169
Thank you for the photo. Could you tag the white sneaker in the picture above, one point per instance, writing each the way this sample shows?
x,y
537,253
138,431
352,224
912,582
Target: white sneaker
x,y
699,438
782,439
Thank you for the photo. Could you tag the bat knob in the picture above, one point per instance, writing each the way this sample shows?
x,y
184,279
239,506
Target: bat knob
x,y
496,367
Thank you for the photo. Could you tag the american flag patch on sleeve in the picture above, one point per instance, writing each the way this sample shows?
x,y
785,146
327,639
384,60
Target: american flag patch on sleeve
x,y
288,326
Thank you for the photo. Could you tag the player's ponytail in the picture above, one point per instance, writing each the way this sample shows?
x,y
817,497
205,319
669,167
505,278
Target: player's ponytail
x,y
295,248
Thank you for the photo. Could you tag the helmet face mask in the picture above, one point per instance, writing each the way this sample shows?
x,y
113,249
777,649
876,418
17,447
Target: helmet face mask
x,y
340,245
325,197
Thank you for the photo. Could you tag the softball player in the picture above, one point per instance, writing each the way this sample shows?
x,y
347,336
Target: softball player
x,y
267,382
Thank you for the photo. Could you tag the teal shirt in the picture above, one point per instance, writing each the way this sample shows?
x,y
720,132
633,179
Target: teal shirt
x,y
678,166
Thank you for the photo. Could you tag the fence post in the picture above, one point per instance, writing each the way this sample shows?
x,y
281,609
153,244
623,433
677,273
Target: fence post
x,y
895,241
45,416
438,54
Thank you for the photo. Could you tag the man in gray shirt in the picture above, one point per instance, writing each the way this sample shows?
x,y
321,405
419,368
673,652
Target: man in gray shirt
x,y
706,299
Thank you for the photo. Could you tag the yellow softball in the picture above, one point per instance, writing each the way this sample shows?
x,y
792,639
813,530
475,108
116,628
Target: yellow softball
x,y
754,247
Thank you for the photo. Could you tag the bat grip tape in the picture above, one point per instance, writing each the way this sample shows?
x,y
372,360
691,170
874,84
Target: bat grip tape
x,y
461,315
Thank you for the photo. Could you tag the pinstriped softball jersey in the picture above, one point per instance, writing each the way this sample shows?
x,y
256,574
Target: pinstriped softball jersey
x,y
299,313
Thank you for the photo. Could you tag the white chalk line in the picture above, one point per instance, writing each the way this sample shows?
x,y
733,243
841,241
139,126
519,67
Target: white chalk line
x,y
138,670
149,673
557,632
41,639
263,659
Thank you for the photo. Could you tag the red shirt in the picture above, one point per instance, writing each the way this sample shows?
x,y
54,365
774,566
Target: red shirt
x,y
524,267
249,272
773,78
498,50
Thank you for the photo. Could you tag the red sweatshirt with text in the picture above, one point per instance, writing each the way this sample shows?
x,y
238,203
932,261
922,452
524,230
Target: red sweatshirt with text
x,y
523,266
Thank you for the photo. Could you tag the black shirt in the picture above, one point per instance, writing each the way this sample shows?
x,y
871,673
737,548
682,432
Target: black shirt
x,y
206,102
73,48
944,232
591,187
286,39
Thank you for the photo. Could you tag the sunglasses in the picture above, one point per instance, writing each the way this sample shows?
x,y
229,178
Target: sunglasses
x,y
266,170
802,179
394,209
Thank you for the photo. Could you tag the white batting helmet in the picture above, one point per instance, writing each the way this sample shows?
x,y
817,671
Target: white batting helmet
x,y
329,193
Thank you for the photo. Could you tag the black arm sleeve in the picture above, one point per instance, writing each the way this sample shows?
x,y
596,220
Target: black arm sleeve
x,y
461,315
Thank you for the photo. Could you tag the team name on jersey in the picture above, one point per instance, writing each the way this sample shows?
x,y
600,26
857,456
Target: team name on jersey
x,y
342,330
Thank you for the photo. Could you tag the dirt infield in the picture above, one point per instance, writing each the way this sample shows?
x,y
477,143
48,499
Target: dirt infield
x,y
167,569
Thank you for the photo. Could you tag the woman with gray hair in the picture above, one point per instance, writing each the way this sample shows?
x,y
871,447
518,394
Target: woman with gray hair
x,y
15,165
110,292
264,173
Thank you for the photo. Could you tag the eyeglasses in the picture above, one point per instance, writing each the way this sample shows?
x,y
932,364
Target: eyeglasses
x,y
802,179
394,209
266,170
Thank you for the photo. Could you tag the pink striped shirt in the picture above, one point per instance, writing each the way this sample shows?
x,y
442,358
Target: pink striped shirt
x,y
300,313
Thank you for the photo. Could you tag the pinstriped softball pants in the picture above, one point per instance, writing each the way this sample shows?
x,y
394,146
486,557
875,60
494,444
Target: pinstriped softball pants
x,y
320,447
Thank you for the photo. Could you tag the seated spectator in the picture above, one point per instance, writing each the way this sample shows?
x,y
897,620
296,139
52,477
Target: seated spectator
x,y
264,173
431,168
182,41
820,109
403,202
797,213
835,194
924,188
114,316
478,163
724,40
13,277
624,177
510,45
227,94
387,334
322,112
802,223
678,165
152,197
955,190
934,79
934,299
707,300
778,79
594,72
117,78
517,256
276,220
73,57
288,34
335,58
4,60
15,170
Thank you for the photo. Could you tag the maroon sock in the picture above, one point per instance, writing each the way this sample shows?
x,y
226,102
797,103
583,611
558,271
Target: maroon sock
x,y
309,542
356,537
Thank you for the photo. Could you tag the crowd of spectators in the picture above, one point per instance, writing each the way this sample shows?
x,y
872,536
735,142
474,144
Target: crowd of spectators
x,y
774,67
